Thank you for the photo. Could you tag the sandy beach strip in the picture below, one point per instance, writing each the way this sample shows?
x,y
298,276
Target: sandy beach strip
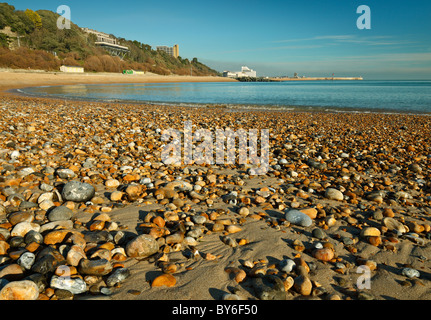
x,y
12,79
222,232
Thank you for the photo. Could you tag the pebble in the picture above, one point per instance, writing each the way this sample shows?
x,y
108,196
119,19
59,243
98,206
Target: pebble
x,y
74,285
4,247
233,228
46,205
75,255
334,194
319,233
196,232
190,241
365,296
370,232
62,294
142,246
115,152
311,212
410,273
244,211
330,221
112,183
239,274
133,192
178,237
65,224
46,187
47,260
414,237
165,279
22,228
230,297
20,290
393,224
324,254
99,267
118,276
287,265
269,288
26,260
11,272
77,191
60,213
19,216
299,218
199,219
303,285
229,241
116,195
66,173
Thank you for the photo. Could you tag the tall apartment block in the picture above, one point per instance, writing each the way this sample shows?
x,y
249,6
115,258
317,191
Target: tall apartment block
x,y
173,51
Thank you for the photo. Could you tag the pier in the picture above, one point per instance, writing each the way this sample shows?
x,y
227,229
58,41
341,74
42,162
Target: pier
x,y
319,79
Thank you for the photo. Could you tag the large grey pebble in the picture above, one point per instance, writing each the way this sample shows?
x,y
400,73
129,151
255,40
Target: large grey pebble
x,y
60,213
74,285
299,218
78,191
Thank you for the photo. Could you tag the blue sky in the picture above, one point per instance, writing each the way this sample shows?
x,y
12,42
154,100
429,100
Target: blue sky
x,y
313,38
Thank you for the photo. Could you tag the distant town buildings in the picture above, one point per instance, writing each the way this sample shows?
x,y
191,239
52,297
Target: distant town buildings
x,y
173,51
108,43
72,69
245,72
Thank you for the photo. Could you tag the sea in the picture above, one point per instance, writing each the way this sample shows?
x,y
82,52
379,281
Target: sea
x,y
366,96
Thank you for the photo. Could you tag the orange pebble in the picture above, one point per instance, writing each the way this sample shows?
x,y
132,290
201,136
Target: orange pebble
x,y
165,279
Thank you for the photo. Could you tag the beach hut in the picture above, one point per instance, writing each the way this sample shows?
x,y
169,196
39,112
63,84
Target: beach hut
x,y
72,69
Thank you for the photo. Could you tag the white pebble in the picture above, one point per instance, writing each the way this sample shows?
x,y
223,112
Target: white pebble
x,y
411,273
287,265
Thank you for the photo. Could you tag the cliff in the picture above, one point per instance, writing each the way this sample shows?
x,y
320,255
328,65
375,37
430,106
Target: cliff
x,y
31,40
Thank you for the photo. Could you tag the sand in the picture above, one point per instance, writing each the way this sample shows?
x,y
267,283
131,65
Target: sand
x,y
201,279
12,79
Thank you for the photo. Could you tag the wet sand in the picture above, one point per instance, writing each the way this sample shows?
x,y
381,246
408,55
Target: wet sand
x,y
380,163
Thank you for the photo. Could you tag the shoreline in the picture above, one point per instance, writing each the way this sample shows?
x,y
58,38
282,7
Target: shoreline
x,y
12,80
19,79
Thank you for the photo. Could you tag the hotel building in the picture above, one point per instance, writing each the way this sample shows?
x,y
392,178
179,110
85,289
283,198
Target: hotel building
x,y
173,51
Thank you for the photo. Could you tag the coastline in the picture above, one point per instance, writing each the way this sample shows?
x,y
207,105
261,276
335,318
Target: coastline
x,y
13,80
20,79
380,163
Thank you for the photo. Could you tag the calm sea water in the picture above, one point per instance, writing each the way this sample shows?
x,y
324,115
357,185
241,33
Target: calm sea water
x,y
363,96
